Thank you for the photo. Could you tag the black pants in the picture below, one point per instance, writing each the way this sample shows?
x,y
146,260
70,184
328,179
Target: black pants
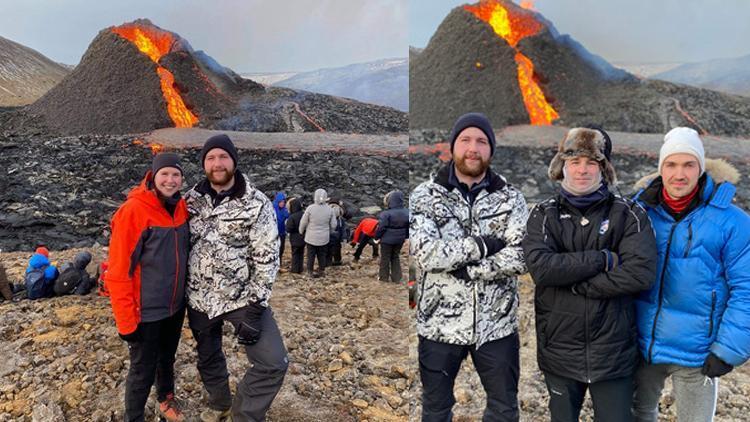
x,y
316,251
152,357
496,363
612,399
298,257
282,244
390,263
262,381
365,240
333,256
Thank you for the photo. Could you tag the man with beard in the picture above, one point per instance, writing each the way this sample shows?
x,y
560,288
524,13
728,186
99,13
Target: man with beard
x,y
232,267
466,227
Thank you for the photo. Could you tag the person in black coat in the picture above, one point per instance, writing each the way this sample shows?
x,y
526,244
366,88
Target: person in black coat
x,y
393,230
589,252
296,240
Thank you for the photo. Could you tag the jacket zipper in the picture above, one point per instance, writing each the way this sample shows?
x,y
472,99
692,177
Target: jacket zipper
x,y
690,238
177,269
585,318
711,315
476,292
661,293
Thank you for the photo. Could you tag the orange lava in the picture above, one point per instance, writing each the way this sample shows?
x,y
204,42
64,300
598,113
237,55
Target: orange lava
x,y
442,148
155,43
513,25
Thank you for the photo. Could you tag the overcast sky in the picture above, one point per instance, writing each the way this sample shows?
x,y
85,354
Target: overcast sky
x,y
627,30
245,35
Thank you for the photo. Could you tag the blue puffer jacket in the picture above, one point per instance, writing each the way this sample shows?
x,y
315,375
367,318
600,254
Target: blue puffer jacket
x,y
393,223
700,302
281,213
40,261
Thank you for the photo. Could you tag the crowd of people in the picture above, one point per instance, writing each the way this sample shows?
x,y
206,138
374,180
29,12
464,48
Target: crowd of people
x,y
628,291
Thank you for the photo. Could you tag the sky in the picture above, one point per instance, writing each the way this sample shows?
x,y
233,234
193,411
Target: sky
x,y
244,35
642,31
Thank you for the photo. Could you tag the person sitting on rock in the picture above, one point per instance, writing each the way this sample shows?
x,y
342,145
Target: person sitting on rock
x,y
317,223
73,276
364,235
296,240
40,275
392,232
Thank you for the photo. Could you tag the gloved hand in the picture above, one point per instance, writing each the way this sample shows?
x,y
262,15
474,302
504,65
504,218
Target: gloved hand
x,y
461,273
490,245
715,367
578,289
133,337
249,329
612,260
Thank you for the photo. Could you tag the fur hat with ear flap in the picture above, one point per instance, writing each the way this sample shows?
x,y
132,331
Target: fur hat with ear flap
x,y
591,142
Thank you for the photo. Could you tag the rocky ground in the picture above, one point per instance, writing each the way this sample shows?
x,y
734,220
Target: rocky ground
x,y
347,337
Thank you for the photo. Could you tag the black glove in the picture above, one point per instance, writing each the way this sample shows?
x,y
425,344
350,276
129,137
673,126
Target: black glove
x,y
578,289
493,245
715,367
133,337
461,273
249,329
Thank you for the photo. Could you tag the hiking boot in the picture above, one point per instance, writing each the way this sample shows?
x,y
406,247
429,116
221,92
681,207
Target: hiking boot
x,y
169,409
212,415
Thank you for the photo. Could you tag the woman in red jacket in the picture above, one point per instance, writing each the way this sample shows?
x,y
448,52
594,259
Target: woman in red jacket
x,y
146,281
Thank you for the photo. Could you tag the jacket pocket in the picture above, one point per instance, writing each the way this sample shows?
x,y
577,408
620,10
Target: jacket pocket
x,y
711,315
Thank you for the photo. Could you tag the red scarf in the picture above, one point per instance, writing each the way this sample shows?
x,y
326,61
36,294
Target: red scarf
x,y
678,205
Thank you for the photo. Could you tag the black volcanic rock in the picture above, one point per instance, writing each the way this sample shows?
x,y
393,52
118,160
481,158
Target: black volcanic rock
x,y
467,67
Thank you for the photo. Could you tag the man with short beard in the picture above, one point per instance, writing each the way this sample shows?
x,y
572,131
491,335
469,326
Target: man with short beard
x,y
466,227
232,266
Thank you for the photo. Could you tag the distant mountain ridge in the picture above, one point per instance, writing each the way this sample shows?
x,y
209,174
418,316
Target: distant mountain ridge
x,y
25,74
383,82
727,75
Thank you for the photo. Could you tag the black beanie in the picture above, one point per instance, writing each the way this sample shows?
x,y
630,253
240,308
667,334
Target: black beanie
x,y
477,120
219,141
165,159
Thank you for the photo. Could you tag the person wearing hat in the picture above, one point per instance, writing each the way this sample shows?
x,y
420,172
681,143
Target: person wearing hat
x,y
589,252
466,227
148,254
233,264
694,323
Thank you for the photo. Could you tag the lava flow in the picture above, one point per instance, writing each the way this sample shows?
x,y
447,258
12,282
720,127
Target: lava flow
x,y
155,44
513,26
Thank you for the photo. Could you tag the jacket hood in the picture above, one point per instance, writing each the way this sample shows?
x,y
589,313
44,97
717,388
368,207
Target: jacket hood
x,y
294,204
394,199
81,260
321,196
278,198
719,170
38,261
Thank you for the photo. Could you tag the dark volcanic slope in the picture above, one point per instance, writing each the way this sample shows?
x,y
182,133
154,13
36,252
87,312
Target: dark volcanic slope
x,y
117,89
63,191
467,67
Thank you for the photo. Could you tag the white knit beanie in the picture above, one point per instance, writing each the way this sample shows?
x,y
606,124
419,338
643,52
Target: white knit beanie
x,y
683,140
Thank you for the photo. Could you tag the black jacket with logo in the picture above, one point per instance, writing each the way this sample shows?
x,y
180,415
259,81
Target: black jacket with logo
x,y
588,333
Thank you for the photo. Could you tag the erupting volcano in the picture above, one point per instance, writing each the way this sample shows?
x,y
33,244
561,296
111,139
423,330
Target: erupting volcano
x,y
513,25
137,77
155,43
510,63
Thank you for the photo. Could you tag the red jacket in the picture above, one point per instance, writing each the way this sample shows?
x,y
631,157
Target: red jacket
x,y
367,226
147,259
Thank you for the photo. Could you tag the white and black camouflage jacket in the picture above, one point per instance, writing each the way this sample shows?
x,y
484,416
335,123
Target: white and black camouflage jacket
x,y
442,223
234,254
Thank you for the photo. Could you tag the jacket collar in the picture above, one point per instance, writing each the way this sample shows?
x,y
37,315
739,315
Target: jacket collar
x,y
491,182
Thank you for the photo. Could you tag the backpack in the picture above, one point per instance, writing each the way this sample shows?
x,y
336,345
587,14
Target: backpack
x,y
36,284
